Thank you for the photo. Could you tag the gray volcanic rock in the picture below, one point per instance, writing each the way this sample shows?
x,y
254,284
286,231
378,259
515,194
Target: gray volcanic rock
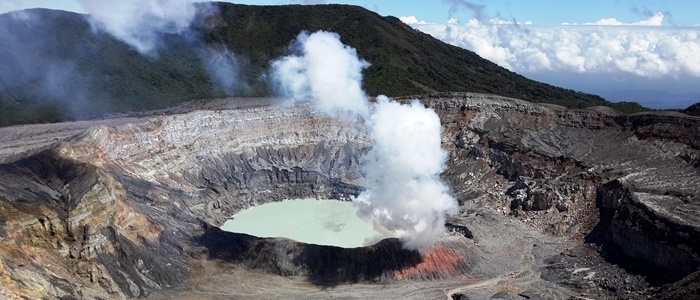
x,y
129,207
590,270
642,171
638,228
686,288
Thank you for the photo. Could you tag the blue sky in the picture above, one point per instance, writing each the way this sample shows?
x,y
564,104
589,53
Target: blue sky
x,y
624,50
544,12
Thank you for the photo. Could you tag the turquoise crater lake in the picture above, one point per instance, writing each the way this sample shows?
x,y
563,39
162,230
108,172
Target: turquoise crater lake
x,y
321,222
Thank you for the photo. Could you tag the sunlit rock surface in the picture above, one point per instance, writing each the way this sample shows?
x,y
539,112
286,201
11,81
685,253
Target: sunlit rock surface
x,y
129,207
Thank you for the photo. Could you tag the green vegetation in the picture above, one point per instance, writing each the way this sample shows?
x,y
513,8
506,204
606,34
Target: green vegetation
x,y
55,68
629,107
92,74
403,61
693,110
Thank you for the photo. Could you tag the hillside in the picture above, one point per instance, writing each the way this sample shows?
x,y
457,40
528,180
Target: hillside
x,y
57,68
404,61
693,110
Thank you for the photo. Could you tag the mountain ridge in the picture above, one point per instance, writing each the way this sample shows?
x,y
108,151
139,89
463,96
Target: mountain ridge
x,y
67,70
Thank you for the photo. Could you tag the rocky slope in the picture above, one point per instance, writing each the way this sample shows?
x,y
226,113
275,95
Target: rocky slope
x,y
129,207
642,171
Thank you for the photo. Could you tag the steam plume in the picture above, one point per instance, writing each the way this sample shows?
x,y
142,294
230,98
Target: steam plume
x,y
140,24
405,197
457,5
224,69
324,71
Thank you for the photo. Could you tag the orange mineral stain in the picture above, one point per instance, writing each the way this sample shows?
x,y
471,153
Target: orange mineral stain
x,y
438,261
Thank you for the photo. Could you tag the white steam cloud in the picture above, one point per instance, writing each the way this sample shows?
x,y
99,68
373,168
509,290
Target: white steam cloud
x,y
140,24
405,197
645,49
224,69
325,71
143,24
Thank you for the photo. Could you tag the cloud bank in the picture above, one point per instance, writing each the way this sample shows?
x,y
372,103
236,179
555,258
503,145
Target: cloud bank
x,y
405,197
645,49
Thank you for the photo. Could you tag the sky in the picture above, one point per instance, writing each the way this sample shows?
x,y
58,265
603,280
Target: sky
x,y
624,50
542,12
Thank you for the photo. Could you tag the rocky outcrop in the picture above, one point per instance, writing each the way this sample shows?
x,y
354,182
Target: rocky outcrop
x,y
68,231
226,161
582,267
686,288
693,110
640,172
638,231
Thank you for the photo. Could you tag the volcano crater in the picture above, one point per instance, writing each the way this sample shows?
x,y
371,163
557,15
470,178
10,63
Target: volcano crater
x,y
132,206
205,166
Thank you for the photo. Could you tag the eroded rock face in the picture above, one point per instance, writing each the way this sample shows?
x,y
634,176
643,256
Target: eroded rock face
x,y
640,170
68,230
638,228
385,260
120,209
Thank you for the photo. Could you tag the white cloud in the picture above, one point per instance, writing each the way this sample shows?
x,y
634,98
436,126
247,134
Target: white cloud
x,y
656,20
500,22
644,48
410,20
